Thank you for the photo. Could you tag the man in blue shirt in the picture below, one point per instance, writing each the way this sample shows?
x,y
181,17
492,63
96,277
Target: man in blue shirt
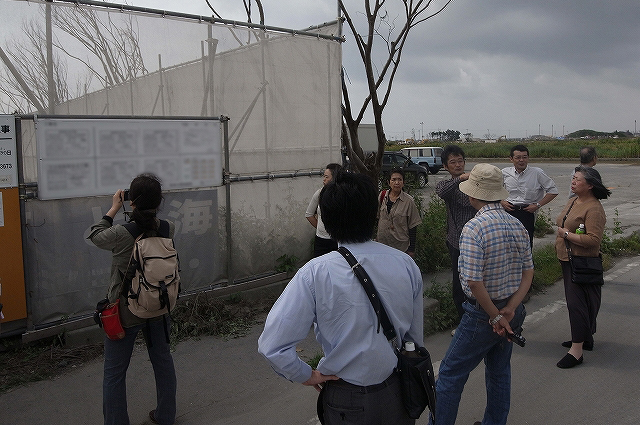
x,y
356,373
496,270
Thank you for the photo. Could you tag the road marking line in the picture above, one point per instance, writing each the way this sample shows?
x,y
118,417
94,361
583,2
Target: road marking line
x,y
544,312
612,276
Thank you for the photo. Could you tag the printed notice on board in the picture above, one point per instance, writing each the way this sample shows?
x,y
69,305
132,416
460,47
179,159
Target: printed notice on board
x,y
84,157
8,157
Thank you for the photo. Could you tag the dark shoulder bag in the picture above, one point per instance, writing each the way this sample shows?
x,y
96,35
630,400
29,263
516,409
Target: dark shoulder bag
x,y
416,372
585,270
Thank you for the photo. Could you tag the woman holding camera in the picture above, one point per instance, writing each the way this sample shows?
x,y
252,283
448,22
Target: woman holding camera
x,y
583,301
145,195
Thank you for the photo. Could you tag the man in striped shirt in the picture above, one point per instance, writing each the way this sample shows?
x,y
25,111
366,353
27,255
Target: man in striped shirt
x,y
496,270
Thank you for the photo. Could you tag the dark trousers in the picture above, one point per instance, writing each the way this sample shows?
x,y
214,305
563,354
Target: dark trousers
x,y
117,355
527,219
344,403
323,246
456,286
583,303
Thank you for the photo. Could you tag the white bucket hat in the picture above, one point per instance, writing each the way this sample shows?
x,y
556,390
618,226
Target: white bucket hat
x,y
485,183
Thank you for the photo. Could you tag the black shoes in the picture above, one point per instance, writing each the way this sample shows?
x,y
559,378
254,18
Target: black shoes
x,y
153,417
569,361
587,346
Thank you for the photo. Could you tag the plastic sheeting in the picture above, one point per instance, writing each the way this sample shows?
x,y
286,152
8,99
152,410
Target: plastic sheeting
x,y
281,93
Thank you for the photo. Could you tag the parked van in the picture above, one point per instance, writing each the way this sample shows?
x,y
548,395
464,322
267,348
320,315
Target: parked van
x,y
427,156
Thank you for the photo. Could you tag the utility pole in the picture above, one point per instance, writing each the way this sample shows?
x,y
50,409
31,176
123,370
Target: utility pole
x,y
422,131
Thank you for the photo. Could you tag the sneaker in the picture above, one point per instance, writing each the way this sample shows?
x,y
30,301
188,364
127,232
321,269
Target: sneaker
x,y
453,331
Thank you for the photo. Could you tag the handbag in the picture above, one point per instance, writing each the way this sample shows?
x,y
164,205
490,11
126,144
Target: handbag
x,y
416,372
107,316
585,270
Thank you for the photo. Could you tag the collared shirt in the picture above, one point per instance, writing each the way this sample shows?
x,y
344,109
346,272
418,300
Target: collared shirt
x,y
314,209
459,210
529,186
325,293
394,225
494,249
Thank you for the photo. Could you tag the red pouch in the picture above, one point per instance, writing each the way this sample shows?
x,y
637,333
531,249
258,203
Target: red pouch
x,y
110,320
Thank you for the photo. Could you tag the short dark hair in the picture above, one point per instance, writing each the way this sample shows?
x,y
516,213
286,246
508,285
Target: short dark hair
x,y
450,150
397,170
334,167
520,148
587,154
592,176
349,207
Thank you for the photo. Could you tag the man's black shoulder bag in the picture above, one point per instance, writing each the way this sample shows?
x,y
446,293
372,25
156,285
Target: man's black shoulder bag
x,y
416,373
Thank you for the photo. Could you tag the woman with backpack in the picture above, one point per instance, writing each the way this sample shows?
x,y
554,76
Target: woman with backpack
x,y
145,195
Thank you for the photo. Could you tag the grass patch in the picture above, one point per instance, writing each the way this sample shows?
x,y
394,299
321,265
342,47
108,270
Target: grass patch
x,y
205,315
546,267
41,360
608,148
313,362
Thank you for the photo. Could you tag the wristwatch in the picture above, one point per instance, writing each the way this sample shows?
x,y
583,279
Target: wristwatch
x,y
538,204
566,234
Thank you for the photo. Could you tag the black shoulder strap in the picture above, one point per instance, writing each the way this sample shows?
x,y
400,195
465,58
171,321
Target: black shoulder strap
x,y
372,293
566,243
135,231
163,230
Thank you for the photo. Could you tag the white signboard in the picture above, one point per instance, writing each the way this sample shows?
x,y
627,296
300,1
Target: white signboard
x,y
82,157
8,156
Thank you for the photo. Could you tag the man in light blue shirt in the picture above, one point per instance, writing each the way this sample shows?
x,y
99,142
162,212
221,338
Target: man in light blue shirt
x,y
356,374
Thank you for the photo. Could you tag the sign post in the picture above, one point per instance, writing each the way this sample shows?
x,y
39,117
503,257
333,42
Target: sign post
x,y
12,288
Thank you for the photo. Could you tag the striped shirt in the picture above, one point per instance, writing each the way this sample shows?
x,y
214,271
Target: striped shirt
x,y
494,249
459,210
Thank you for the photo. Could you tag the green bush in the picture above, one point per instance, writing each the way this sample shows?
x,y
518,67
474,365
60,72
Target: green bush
x,y
543,224
446,316
431,248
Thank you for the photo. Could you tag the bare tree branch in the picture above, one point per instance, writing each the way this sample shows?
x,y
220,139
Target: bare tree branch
x,y
379,27
112,55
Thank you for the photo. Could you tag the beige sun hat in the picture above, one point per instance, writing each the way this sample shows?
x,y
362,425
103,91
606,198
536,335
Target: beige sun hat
x,y
485,183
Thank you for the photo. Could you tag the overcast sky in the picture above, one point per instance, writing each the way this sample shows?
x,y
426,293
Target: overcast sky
x,y
504,67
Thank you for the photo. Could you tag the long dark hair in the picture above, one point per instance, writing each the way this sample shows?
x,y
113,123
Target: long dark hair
x,y
593,178
145,193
